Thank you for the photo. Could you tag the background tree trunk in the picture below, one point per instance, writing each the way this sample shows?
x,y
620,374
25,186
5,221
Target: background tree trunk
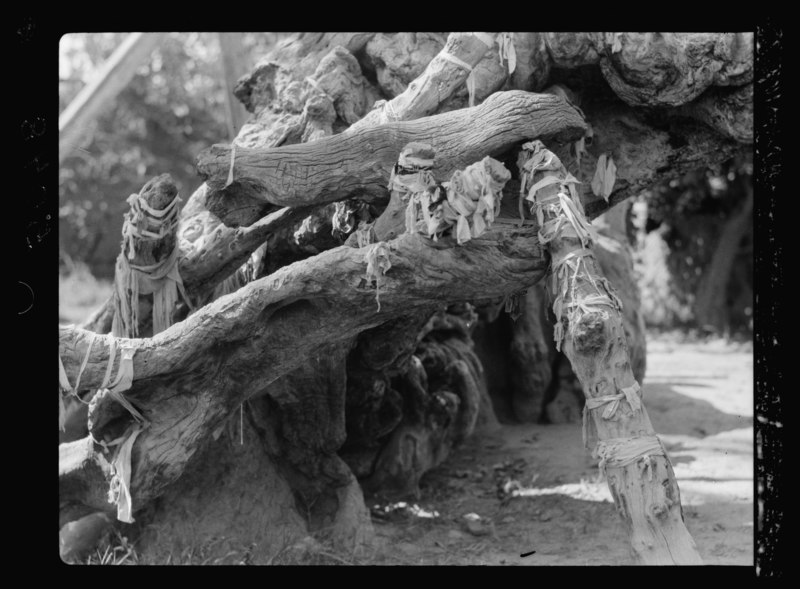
x,y
711,303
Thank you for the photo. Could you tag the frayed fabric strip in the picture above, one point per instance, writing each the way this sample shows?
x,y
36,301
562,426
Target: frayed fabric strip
x,y
229,181
507,52
164,220
162,279
631,394
464,65
378,264
456,60
471,203
621,452
124,377
124,381
119,489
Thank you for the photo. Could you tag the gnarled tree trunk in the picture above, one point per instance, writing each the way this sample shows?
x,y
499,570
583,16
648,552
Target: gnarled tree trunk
x,y
339,367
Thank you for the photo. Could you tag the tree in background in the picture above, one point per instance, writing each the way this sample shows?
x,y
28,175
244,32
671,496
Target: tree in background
x,y
172,109
695,256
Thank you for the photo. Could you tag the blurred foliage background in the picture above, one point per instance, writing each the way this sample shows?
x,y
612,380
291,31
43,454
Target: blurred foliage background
x,y
683,230
175,106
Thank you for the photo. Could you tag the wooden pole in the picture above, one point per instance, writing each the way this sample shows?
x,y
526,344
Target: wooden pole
x,y
115,74
589,324
235,64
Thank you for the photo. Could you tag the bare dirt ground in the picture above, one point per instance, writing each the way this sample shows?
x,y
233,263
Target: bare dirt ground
x,y
700,400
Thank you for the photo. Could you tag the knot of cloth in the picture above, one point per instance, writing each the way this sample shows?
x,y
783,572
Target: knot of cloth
x,y
631,394
565,268
142,216
471,202
412,179
378,264
466,67
620,452
162,279
568,217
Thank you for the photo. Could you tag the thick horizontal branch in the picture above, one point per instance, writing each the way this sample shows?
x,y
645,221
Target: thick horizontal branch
x,y
189,378
359,164
205,263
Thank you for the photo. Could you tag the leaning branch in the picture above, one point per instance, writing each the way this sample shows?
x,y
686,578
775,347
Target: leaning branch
x,y
589,323
443,75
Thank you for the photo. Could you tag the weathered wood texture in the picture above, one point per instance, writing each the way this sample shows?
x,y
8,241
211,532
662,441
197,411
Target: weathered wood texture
x,y
261,333
594,342
615,259
658,69
342,166
644,153
417,95
267,329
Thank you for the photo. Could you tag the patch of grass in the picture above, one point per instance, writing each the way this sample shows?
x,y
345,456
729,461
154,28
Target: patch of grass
x,y
118,551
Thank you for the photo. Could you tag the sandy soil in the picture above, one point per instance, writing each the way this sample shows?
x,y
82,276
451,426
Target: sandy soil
x,y
700,400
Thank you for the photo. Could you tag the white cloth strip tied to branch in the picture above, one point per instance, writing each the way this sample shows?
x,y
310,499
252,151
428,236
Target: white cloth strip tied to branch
x,y
568,209
631,394
124,378
343,219
378,264
472,201
119,487
63,380
165,220
418,189
119,492
620,452
229,181
505,41
566,219
411,177
464,65
365,234
564,272
162,279
387,114
605,175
